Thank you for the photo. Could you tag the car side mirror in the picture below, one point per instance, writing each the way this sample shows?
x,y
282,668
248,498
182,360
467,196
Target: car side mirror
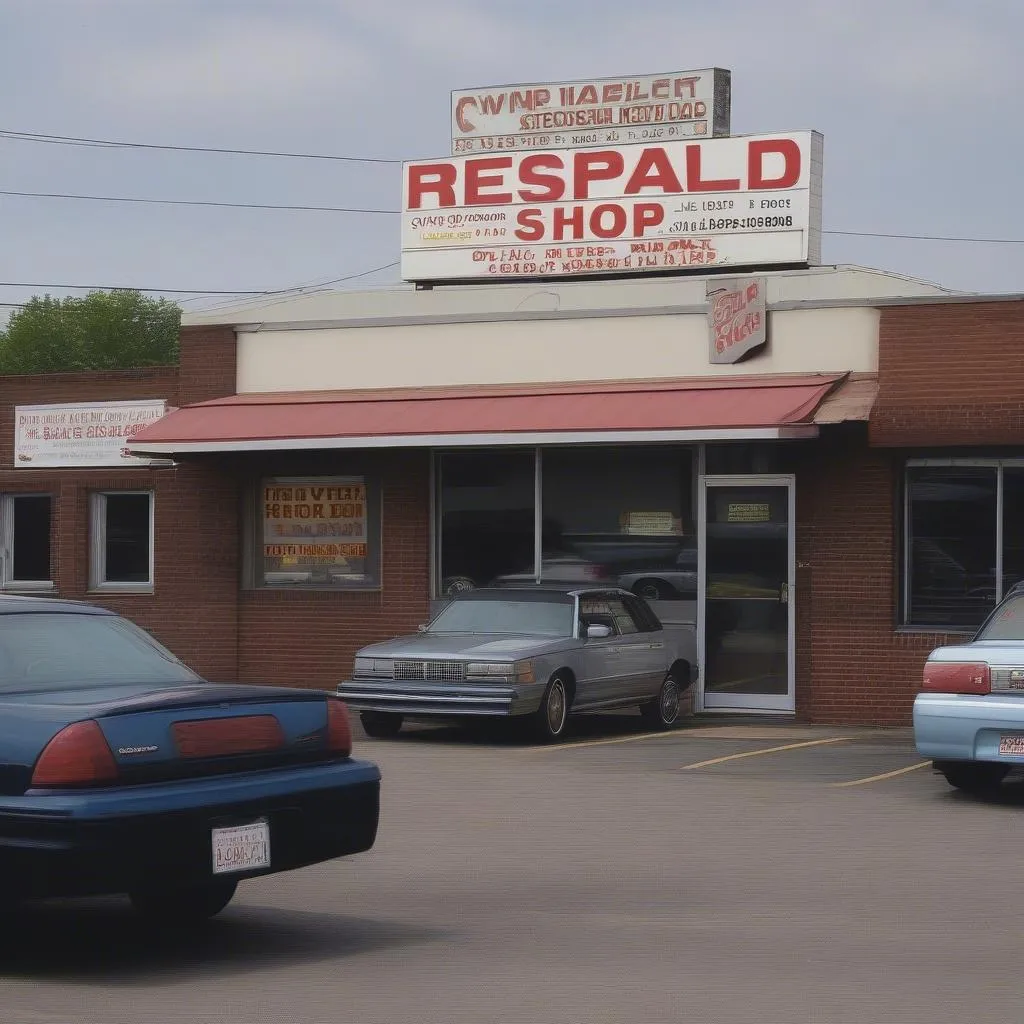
x,y
596,632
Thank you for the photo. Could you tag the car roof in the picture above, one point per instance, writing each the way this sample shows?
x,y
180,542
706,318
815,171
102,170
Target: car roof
x,y
12,604
534,591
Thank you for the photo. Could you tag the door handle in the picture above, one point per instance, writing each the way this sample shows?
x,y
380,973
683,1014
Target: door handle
x,y
784,594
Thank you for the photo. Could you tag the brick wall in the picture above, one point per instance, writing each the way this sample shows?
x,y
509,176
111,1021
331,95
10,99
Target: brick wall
x,y
193,607
853,664
950,374
309,639
208,363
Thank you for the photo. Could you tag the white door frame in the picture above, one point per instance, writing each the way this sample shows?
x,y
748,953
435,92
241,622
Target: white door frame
x,y
780,704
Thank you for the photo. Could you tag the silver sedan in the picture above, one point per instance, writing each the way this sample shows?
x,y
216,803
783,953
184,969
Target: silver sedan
x,y
539,654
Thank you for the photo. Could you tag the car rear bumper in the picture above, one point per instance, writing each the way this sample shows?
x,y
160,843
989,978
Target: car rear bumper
x,y
112,842
440,699
954,727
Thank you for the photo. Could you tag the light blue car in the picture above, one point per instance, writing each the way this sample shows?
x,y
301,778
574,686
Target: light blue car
x,y
969,715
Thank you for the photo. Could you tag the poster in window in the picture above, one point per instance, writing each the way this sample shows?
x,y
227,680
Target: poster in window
x,y
315,531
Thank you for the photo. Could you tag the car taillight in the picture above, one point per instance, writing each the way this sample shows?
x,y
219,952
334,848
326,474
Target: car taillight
x,y
77,756
339,732
957,677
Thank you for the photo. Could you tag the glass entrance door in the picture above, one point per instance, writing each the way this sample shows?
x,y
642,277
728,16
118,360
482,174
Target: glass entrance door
x,y
746,577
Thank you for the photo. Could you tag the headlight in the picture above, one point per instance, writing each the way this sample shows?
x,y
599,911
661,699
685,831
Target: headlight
x,y
498,671
375,667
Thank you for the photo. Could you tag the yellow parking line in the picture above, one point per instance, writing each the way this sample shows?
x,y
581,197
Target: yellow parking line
x,y
765,750
614,739
883,776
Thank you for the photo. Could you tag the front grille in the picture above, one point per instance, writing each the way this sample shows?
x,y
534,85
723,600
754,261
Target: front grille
x,y
431,671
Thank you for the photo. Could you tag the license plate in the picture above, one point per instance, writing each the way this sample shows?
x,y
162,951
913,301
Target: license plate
x,y
241,848
1013,745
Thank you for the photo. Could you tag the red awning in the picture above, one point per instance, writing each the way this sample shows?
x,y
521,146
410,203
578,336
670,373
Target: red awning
x,y
693,409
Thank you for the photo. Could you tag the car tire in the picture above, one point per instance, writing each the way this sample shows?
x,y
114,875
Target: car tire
x,y
664,711
551,717
380,725
975,777
652,590
183,905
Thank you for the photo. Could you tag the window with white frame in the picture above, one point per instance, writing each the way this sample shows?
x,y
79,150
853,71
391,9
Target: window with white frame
x,y
963,539
25,542
121,540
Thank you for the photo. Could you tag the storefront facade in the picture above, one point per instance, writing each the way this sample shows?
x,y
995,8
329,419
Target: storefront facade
x,y
774,504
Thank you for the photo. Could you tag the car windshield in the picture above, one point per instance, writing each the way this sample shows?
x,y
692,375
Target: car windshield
x,y
64,650
537,618
1007,623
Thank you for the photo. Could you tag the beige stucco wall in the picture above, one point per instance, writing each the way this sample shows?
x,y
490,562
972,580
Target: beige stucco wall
x,y
517,351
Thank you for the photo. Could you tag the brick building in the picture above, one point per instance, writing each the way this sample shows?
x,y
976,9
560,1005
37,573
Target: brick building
x,y
333,465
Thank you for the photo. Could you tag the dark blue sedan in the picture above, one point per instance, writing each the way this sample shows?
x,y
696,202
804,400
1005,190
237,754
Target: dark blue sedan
x,y
123,772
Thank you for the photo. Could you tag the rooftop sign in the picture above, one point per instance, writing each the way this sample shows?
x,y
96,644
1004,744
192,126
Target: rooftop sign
x,y
598,112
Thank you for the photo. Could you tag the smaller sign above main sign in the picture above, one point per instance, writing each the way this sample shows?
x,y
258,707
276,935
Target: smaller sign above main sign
x,y
737,318
599,112
82,435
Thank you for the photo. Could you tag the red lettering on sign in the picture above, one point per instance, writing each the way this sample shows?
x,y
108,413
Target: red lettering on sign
x,y
432,179
531,225
603,165
550,187
653,170
464,123
758,150
477,180
695,183
605,227
562,220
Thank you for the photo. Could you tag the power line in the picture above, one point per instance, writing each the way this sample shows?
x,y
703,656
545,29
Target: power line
x,y
73,140
198,292
191,202
391,213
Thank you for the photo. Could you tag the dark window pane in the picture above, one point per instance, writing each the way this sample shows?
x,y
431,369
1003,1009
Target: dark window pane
x,y
487,518
1013,527
31,541
621,515
126,559
952,545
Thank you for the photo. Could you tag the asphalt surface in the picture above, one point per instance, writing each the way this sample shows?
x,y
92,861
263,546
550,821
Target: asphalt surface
x,y
621,877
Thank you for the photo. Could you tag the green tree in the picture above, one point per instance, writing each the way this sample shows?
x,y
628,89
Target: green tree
x,y
113,330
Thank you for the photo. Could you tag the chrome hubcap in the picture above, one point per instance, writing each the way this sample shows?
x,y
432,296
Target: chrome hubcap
x,y
556,707
669,701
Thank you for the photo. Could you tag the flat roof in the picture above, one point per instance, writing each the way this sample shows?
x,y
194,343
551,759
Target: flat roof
x,y
403,304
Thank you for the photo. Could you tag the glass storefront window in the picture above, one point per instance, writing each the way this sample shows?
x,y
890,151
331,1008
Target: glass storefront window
x,y
621,516
486,517
951,545
618,516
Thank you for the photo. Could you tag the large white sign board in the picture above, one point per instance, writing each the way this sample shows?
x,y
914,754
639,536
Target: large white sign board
x,y
740,201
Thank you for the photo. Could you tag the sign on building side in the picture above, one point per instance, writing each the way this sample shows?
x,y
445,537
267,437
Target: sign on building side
x,y
94,434
737,318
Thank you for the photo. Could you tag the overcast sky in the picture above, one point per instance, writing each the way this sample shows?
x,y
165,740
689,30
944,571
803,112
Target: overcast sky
x,y
917,99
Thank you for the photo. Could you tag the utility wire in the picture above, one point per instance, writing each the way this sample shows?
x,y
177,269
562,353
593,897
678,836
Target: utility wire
x,y
198,292
392,213
73,140
191,202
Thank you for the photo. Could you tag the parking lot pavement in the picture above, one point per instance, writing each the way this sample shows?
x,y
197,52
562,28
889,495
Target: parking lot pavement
x,y
843,757
598,883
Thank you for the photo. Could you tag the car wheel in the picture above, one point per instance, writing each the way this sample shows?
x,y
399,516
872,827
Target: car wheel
x,y
663,711
977,777
652,590
381,725
183,905
553,713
